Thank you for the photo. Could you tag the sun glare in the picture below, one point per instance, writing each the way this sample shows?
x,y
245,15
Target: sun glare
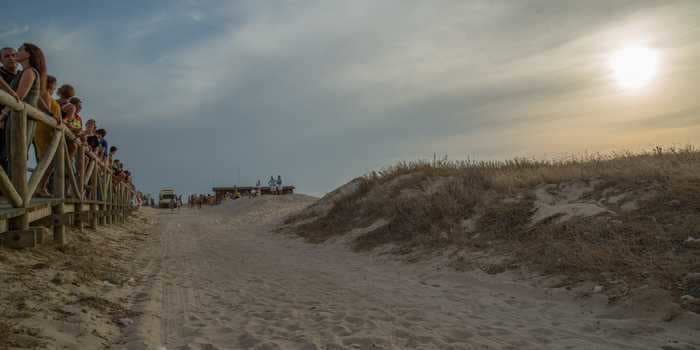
x,y
634,67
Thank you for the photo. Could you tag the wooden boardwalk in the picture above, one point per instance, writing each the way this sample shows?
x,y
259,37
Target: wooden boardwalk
x,y
83,193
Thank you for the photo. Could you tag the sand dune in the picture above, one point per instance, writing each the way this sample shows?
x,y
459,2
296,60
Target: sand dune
x,y
228,282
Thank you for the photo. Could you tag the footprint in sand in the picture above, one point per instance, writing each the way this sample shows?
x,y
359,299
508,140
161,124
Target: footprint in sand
x,y
333,346
341,330
201,346
190,332
355,321
402,334
268,346
459,336
247,341
225,330
366,342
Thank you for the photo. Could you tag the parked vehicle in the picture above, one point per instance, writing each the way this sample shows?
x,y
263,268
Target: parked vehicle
x,y
166,194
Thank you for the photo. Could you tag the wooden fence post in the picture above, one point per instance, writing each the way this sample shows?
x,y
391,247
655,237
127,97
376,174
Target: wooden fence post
x,y
79,222
59,191
102,176
112,202
18,163
94,208
108,200
121,202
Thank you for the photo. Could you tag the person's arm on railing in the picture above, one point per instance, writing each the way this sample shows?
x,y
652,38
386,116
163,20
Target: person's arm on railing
x,y
7,88
44,106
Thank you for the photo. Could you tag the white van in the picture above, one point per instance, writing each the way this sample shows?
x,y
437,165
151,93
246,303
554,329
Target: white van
x,y
166,194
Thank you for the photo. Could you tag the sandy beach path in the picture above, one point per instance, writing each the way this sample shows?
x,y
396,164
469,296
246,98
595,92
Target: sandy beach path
x,y
230,283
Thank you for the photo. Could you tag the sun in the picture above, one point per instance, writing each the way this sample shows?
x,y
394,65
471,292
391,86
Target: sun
x,y
634,67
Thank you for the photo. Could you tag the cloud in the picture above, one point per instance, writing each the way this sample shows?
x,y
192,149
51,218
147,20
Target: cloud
x,y
14,31
680,119
320,92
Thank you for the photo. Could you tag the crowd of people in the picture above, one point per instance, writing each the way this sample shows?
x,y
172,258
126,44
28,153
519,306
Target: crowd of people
x,y
274,185
197,200
25,77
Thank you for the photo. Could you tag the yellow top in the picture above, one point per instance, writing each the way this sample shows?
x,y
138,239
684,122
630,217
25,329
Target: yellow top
x,y
55,109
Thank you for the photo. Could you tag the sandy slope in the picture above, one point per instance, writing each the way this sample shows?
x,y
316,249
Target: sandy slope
x,y
79,296
229,283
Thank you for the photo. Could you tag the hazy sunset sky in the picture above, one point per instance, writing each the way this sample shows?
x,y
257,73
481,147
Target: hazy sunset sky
x,y
194,92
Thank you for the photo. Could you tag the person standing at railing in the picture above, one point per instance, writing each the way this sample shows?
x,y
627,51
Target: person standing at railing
x,y
102,144
65,92
73,121
29,85
44,133
9,69
90,127
53,104
91,138
69,110
112,152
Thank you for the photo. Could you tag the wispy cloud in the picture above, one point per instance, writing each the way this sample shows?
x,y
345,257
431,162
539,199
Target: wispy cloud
x,y
14,31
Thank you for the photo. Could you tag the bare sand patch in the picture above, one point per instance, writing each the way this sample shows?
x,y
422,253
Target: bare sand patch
x,y
78,296
231,281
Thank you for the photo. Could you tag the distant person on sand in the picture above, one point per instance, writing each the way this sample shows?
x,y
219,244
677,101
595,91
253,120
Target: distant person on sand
x,y
258,191
272,183
171,204
279,184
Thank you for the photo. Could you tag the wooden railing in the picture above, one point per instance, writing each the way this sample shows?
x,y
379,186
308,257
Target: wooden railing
x,y
83,191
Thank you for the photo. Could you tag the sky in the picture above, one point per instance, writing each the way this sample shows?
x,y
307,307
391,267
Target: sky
x,y
198,93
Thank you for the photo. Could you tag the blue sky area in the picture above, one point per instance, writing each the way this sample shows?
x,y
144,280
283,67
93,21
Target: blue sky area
x,y
196,92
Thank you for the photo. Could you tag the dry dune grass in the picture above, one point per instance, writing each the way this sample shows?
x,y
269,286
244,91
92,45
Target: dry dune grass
x,y
647,204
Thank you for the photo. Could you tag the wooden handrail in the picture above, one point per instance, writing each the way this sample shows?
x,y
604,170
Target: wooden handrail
x,y
41,117
20,192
